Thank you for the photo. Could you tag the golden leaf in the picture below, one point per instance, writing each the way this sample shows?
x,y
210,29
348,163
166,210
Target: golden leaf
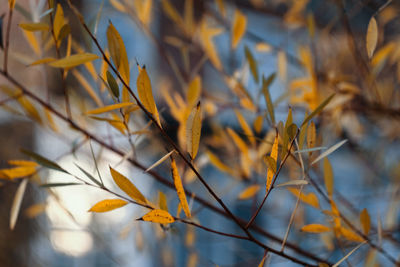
x,y
17,172
11,3
206,35
145,93
263,47
43,61
108,205
328,177
365,221
372,37
249,192
73,61
59,20
22,163
179,188
238,141
350,234
258,123
194,91
238,28
125,185
193,131
34,26
274,155
162,201
282,65
310,198
108,108
315,228
246,128
158,216
218,163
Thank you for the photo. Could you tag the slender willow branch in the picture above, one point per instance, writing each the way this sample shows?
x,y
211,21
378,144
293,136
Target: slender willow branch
x,y
159,178
273,182
7,40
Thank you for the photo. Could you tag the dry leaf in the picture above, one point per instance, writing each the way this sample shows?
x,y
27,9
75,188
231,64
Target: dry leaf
x,y
238,28
193,131
108,205
125,185
179,188
158,216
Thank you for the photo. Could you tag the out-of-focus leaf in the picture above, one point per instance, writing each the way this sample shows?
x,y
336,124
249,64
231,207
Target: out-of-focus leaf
x,y
329,151
238,27
11,4
125,185
43,61
252,63
265,89
350,234
158,216
282,65
179,188
193,131
162,201
311,136
318,109
59,184
328,177
16,205
108,205
245,126
218,163
194,91
365,221
88,175
315,228
249,192
108,108
34,26
145,93
73,61
274,155
292,183
310,198
17,172
372,37
43,161
258,123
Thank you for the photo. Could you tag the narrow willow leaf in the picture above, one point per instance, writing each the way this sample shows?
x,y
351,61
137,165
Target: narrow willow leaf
x,y
112,83
267,96
193,131
252,63
88,175
372,37
350,234
22,163
43,161
310,150
245,126
33,27
293,183
125,185
258,123
311,135
59,20
118,52
282,65
302,134
108,108
108,205
16,205
194,92
238,27
291,131
365,221
158,162
310,198
289,121
328,177
249,192
43,61
315,228
238,141
218,163
171,12
158,216
17,172
349,254
329,151
274,156
179,188
262,262
73,61
59,184
270,162
318,109
162,201
145,93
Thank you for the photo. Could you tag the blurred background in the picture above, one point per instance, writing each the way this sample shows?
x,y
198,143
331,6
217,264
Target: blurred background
x,y
310,49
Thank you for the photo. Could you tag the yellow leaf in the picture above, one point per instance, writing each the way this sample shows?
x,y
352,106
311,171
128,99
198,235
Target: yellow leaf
x,y
350,235
23,163
263,47
118,6
249,192
274,155
238,28
125,185
194,91
193,131
35,210
143,10
58,20
311,135
50,120
73,61
365,221
206,35
108,108
32,41
11,3
310,198
145,93
372,37
158,216
43,61
238,141
179,188
119,56
30,109
188,17
162,201
221,7
88,87
328,177
16,205
315,228
17,172
171,12
246,128
218,163
282,65
108,205
33,27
